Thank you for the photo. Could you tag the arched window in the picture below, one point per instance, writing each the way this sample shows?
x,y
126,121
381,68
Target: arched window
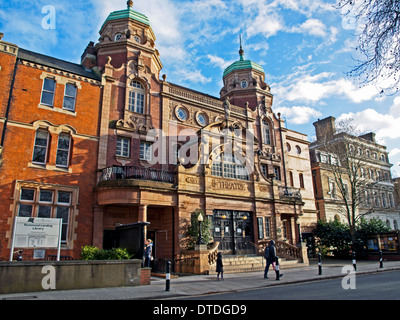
x,y
136,97
266,132
301,180
41,146
291,179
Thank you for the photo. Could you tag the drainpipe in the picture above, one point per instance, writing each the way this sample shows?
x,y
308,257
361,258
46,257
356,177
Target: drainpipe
x,y
283,153
9,102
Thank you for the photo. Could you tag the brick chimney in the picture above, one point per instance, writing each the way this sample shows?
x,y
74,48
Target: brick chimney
x,y
325,128
89,58
370,136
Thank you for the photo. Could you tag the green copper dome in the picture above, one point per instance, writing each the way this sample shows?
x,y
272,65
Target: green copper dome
x,y
127,13
243,64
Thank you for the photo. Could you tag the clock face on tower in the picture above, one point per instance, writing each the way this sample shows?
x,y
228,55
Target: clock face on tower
x,y
243,84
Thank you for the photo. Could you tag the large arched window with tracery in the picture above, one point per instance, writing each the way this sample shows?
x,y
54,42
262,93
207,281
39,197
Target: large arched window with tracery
x,y
136,97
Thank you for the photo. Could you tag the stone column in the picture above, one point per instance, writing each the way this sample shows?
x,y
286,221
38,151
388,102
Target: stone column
x,y
107,82
278,226
201,265
98,226
142,217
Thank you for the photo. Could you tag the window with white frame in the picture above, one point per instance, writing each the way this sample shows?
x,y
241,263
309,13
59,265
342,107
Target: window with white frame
x,y
266,132
123,147
136,97
46,203
70,97
48,91
229,166
146,151
40,147
63,150
332,189
267,227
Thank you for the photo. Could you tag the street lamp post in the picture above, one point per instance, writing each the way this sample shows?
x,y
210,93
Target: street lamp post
x,y
200,220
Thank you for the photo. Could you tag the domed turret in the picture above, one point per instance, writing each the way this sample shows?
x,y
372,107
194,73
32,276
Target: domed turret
x,y
244,81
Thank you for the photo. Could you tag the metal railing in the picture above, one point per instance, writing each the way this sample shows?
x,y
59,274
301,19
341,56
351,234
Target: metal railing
x,y
137,173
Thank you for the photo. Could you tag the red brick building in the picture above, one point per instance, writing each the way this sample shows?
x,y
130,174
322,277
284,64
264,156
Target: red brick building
x,y
144,149
49,112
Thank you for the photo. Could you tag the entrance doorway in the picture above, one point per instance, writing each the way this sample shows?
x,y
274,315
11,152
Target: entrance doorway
x,y
234,231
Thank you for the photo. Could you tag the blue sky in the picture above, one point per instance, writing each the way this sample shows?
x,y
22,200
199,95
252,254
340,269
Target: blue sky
x,y
305,47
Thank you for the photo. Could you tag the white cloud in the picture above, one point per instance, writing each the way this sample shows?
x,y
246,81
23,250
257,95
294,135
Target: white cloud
x,y
218,61
315,88
193,76
394,152
298,114
313,27
395,108
384,125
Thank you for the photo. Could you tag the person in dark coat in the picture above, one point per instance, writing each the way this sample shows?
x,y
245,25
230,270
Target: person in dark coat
x,y
270,256
220,266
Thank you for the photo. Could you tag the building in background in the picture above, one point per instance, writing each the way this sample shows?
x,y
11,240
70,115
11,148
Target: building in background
x,y
369,166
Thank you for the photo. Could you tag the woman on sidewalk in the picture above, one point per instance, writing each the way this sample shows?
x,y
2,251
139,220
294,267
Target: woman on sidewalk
x,y
147,252
220,266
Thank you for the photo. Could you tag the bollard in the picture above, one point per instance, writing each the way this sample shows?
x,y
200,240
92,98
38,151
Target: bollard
x,y
168,276
277,268
354,261
319,264
380,259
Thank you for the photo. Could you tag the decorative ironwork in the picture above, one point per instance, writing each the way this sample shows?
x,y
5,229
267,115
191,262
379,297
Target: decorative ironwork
x,y
137,173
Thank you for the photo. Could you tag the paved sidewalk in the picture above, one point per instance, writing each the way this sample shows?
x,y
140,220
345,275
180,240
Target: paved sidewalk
x,y
207,284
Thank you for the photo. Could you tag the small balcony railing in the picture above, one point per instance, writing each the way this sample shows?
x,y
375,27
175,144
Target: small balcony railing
x,y
137,173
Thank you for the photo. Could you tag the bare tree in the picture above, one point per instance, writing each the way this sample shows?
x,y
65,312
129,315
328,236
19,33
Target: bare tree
x,y
378,41
343,155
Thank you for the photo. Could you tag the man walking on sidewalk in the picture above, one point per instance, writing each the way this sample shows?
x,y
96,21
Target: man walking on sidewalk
x,y
270,257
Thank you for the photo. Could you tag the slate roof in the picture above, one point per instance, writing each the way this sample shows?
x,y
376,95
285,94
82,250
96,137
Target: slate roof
x,y
55,63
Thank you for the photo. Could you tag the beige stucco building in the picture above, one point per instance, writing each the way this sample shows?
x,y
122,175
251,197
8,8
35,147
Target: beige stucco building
x,y
375,196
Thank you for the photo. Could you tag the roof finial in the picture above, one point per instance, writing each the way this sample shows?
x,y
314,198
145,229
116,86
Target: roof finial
x,y
241,51
129,3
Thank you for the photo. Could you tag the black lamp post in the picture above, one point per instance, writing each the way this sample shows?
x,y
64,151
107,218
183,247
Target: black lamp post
x,y
200,220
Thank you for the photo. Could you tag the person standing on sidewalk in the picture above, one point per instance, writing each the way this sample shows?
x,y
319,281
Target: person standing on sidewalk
x,y
270,257
147,253
220,266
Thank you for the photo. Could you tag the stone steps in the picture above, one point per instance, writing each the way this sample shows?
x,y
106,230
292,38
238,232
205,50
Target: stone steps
x,y
250,263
